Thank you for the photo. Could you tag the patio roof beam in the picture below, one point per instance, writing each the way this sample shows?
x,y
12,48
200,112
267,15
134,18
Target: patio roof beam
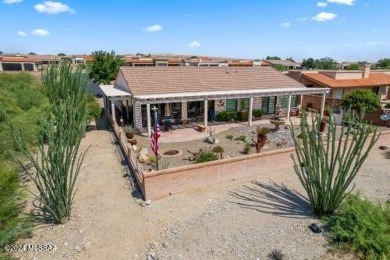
x,y
178,97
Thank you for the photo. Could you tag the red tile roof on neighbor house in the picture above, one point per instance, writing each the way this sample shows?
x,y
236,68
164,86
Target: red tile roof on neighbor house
x,y
375,79
184,79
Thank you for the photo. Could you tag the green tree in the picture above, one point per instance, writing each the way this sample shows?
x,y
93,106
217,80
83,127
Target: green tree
x,y
361,101
280,67
273,58
32,53
308,64
1,53
326,168
352,66
384,63
290,59
104,66
61,54
326,63
59,161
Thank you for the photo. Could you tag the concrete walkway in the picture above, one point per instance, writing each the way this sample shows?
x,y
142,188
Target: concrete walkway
x,y
190,134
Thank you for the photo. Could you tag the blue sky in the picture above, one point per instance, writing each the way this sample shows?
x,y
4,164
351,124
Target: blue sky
x,y
342,29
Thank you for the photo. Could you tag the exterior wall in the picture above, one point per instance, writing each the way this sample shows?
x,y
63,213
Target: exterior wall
x,y
219,106
383,92
374,118
343,74
121,82
184,110
137,115
257,103
315,101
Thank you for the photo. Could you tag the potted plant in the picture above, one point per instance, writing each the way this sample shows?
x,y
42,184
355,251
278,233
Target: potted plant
x,y
129,131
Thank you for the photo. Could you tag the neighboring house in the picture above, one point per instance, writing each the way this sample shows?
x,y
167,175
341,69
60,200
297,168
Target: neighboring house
x,y
286,63
344,82
37,62
18,63
152,61
199,93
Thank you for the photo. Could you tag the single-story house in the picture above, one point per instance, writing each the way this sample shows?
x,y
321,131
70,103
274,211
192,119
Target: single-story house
x,y
343,82
199,93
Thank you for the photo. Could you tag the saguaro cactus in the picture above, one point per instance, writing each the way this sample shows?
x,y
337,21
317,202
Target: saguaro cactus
x,y
326,166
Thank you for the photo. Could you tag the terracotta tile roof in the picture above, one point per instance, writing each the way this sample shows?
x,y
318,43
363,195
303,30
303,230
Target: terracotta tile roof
x,y
375,79
16,59
282,62
164,80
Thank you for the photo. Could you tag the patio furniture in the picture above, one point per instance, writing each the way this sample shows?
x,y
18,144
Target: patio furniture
x,y
201,128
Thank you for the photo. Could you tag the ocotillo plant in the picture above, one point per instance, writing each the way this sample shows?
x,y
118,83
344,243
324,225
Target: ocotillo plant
x,y
58,163
326,166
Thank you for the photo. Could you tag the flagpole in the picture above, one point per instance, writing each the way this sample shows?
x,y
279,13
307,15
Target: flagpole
x,y
154,108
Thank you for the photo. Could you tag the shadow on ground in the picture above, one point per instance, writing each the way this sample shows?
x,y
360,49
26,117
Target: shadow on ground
x,y
272,198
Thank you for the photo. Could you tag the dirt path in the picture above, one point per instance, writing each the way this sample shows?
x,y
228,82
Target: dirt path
x,y
238,220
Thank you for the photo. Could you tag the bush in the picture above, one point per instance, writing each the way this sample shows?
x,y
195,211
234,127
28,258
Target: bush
x,y
229,136
243,115
247,148
206,156
12,224
361,101
362,227
226,116
257,113
218,149
387,105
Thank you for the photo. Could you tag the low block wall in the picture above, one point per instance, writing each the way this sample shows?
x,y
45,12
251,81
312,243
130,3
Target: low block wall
x,y
180,179
167,182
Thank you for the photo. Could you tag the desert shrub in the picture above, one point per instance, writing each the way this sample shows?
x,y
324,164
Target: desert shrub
x,y
262,130
247,148
226,116
361,101
229,136
152,159
242,138
94,109
12,223
362,227
326,168
243,115
218,149
206,156
257,113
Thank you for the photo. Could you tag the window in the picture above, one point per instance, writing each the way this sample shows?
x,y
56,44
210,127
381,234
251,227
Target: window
x,y
338,93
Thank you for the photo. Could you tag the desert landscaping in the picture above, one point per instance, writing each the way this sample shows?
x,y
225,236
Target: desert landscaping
x,y
242,219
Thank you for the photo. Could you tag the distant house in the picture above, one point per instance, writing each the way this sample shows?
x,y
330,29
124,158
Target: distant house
x,y
289,65
197,94
344,82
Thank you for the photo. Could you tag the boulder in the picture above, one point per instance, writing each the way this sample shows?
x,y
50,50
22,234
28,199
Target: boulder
x,y
144,151
143,158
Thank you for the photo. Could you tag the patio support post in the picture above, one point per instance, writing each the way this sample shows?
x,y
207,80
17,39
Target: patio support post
x,y
322,105
288,108
250,111
127,109
149,120
113,110
301,100
205,112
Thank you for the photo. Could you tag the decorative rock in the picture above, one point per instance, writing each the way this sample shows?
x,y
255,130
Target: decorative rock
x,y
216,141
142,158
148,202
209,140
135,148
144,151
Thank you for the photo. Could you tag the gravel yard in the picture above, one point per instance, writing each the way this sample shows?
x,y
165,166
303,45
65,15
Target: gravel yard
x,y
245,219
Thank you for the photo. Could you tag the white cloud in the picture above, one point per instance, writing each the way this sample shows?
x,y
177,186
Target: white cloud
x,y
286,24
21,34
51,7
194,44
302,19
322,4
341,2
10,2
323,17
154,28
40,32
